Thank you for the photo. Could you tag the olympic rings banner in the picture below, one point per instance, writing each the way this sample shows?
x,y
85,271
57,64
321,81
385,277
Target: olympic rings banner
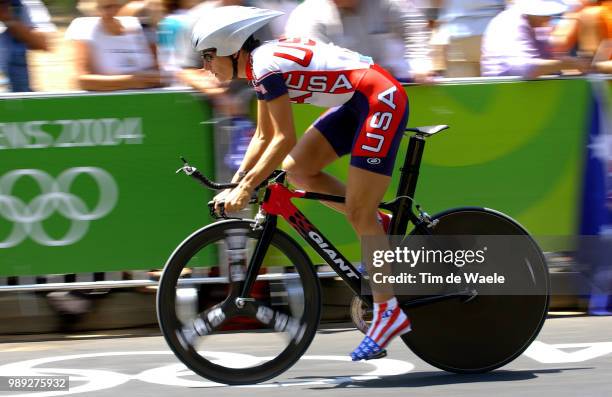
x,y
55,197
87,182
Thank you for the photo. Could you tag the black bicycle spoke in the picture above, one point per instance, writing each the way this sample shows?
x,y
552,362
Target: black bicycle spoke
x,y
205,323
278,320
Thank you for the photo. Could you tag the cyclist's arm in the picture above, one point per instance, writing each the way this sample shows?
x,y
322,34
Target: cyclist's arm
x,y
276,117
259,142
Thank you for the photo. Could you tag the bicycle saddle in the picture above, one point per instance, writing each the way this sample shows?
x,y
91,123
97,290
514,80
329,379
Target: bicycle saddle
x,y
428,130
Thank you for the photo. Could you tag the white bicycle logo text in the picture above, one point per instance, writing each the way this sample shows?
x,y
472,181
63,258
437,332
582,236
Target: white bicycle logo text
x,y
55,196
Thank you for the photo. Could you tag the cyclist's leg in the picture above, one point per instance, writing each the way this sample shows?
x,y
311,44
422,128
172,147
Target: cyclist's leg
x,y
305,163
365,190
329,138
373,154
372,160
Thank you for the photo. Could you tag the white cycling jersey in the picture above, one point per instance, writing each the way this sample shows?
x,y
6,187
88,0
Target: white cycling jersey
x,y
311,72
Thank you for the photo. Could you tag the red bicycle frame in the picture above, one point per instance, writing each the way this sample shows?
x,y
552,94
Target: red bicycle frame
x,y
277,201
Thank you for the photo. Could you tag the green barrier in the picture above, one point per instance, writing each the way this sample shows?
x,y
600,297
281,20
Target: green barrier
x,y
515,146
87,182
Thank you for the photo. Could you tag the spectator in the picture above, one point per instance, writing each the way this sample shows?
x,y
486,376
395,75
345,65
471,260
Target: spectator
x,y
564,36
174,38
584,27
516,42
24,25
604,62
364,26
189,61
437,43
149,13
276,26
595,26
110,52
462,24
178,60
593,34
588,32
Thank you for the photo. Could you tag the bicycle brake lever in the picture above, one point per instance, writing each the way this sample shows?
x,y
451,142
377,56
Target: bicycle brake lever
x,y
223,214
186,168
211,208
213,213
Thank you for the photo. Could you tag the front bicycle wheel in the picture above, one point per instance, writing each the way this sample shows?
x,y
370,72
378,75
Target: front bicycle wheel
x,y
488,331
200,316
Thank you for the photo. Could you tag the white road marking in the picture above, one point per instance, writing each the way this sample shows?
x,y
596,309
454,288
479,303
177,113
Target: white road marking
x,y
554,354
173,374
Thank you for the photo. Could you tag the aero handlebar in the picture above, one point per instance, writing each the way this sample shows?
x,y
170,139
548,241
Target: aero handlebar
x,y
197,175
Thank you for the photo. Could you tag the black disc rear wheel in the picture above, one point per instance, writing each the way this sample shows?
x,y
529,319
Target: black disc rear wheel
x,y
488,331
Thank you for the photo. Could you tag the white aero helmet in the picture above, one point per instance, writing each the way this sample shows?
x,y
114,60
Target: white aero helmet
x,y
227,28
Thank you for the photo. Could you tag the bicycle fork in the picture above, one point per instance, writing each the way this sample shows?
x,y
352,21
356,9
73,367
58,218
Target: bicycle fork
x,y
239,301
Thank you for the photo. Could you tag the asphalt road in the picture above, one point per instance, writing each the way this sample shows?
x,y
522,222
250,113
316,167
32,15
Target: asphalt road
x,y
572,356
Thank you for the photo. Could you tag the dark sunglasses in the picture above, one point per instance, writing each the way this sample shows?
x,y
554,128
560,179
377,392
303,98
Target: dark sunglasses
x,y
208,56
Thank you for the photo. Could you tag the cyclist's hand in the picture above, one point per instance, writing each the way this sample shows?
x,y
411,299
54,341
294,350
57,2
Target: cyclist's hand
x,y
221,196
237,199
220,199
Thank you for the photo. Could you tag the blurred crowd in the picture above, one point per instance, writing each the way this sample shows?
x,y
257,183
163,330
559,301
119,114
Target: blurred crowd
x,y
146,43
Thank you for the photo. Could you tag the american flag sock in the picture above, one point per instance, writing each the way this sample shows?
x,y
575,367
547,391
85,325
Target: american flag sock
x,y
384,220
388,322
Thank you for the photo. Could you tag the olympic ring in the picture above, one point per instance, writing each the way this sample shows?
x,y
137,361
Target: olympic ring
x,y
177,375
55,197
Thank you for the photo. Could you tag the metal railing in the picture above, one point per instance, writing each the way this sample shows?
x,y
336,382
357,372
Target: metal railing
x,y
87,285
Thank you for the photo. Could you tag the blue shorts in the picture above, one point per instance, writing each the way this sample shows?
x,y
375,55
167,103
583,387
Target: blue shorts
x,y
370,125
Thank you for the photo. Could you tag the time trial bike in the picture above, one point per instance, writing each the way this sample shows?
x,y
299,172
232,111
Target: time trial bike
x,y
272,288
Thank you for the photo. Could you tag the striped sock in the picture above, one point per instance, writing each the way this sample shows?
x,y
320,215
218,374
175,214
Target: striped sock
x,y
388,322
384,220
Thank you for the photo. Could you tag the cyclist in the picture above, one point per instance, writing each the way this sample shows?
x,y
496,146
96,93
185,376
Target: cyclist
x,y
369,110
